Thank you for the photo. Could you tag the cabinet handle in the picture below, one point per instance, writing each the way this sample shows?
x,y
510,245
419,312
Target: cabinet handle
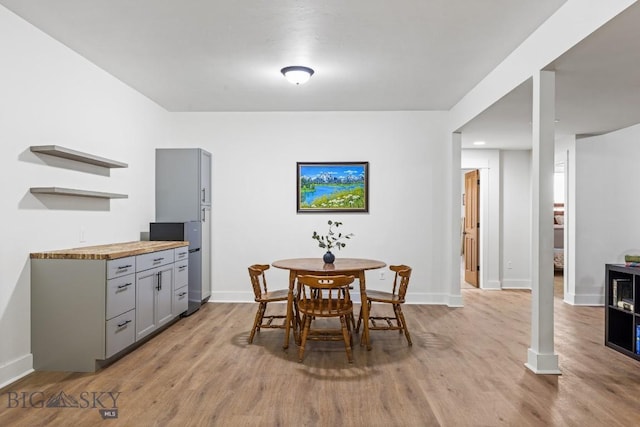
x,y
182,267
125,285
122,267
182,294
159,287
126,322
158,259
204,198
203,216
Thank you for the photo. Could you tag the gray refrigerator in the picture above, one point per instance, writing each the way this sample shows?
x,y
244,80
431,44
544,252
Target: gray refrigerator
x,y
190,231
183,193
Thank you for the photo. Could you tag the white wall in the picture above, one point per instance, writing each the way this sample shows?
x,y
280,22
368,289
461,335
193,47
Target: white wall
x,y
606,209
516,219
254,187
50,95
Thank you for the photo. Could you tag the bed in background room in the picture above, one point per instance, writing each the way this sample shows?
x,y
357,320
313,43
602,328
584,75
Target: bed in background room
x,y
558,236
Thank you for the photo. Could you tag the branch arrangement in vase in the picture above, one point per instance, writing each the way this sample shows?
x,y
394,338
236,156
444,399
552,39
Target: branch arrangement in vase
x,y
332,239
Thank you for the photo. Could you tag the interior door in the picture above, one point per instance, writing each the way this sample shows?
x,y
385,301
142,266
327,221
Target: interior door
x,y
471,227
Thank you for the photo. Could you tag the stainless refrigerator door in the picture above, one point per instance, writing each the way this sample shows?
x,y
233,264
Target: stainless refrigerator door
x,y
195,280
206,253
193,233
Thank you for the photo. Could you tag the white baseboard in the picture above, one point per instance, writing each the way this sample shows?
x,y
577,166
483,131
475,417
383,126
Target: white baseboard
x,y
588,300
491,285
238,297
455,301
516,284
542,363
16,369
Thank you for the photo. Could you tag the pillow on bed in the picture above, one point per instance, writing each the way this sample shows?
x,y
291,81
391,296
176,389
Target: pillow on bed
x,y
559,219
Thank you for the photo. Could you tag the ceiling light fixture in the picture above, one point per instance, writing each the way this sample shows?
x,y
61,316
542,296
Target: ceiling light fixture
x,y
297,74
479,143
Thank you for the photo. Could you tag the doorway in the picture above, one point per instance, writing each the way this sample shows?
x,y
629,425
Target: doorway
x,y
471,226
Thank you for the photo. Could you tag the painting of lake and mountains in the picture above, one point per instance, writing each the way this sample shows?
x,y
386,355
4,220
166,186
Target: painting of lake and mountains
x,y
333,187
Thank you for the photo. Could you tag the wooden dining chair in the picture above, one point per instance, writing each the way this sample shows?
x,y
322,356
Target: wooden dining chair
x,y
263,296
396,297
324,297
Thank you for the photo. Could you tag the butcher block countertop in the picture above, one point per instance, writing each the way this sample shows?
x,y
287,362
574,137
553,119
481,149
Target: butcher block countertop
x,y
110,251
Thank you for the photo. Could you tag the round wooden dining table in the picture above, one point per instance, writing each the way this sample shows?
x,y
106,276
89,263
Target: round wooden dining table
x,y
348,266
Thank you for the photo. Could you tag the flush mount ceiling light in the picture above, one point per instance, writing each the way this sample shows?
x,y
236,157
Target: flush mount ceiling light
x,y
297,74
479,143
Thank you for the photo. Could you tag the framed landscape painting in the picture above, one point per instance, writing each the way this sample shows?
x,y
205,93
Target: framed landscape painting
x,y
333,187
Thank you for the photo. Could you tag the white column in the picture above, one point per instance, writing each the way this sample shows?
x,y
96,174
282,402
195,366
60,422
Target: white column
x,y
541,357
455,295
570,224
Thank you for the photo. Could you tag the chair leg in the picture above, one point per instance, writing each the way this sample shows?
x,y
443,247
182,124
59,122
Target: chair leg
x,y
351,326
352,322
306,320
404,325
257,321
360,315
347,337
296,325
396,310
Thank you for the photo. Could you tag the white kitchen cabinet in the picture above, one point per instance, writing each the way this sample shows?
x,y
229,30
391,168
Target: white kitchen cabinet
x,y
91,304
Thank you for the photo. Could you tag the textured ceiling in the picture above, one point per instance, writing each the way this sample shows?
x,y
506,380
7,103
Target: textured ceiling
x,y
197,55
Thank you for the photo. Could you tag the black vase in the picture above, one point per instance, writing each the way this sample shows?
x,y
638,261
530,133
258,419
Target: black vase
x,y
329,258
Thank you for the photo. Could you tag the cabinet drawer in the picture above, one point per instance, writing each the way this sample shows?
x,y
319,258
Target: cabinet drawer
x,y
120,333
181,274
154,259
181,253
121,295
121,267
180,301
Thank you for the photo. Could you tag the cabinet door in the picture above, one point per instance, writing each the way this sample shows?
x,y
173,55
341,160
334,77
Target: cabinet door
x,y
183,183
164,295
145,302
154,294
205,178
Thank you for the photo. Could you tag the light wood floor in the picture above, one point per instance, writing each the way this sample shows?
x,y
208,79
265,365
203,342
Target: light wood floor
x,y
466,368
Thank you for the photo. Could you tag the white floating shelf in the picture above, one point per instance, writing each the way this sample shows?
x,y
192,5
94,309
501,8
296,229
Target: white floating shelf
x,y
75,192
67,153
